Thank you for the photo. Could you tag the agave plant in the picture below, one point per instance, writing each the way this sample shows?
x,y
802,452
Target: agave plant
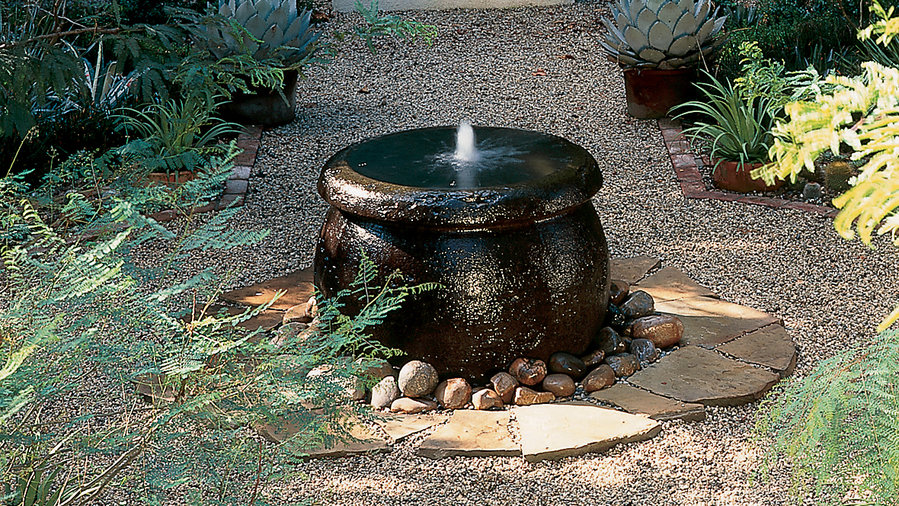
x,y
265,29
665,34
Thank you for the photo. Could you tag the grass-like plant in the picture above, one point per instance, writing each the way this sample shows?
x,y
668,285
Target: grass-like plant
x,y
737,125
178,129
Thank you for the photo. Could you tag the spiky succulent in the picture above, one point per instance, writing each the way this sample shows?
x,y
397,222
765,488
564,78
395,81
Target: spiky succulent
x,y
665,34
264,28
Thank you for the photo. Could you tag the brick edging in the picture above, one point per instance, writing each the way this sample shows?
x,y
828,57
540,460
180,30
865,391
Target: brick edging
x,y
683,160
236,185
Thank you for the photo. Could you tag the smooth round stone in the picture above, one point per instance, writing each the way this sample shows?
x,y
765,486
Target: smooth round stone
x,y
662,330
504,384
638,304
614,317
524,396
610,342
644,350
411,406
417,379
385,392
566,363
624,364
528,371
561,385
599,378
453,393
376,369
593,359
486,399
618,291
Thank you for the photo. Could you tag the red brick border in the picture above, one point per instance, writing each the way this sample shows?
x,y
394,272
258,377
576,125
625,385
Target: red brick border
x,y
686,168
238,182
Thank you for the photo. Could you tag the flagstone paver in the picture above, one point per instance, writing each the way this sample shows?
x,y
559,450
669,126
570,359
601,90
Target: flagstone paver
x,y
669,283
362,440
632,269
298,287
402,426
709,322
640,402
694,374
555,431
769,346
472,434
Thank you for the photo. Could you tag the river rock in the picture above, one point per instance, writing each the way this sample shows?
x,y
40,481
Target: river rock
x,y
644,350
384,393
528,371
599,378
614,317
504,384
566,363
417,379
662,330
487,399
561,385
593,359
377,369
638,304
524,396
618,291
610,342
624,364
410,406
453,393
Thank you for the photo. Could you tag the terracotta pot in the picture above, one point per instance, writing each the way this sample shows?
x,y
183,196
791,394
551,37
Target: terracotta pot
x,y
264,107
172,178
651,93
523,267
734,176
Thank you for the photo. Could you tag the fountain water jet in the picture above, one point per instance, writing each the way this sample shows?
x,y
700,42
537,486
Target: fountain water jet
x,y
466,144
520,254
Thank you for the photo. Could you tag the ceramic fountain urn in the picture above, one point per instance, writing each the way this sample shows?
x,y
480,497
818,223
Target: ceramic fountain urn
x,y
507,229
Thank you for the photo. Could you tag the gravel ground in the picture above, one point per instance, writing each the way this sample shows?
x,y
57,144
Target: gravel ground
x,y
482,67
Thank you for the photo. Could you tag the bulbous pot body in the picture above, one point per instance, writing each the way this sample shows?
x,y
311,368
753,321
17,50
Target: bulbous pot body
x,y
523,269
264,107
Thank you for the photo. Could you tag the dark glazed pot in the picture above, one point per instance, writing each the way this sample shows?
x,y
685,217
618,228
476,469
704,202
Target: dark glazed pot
x,y
264,107
651,93
523,267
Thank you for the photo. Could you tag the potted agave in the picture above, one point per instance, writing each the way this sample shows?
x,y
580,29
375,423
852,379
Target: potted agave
x,y
277,36
737,125
660,44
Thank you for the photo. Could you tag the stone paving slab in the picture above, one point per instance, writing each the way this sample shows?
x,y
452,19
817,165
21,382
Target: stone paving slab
x,y
769,346
694,374
555,431
297,284
472,434
632,269
669,283
402,426
711,331
361,440
640,402
267,319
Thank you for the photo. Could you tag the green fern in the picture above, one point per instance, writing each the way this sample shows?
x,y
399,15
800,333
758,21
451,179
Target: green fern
x,y
839,426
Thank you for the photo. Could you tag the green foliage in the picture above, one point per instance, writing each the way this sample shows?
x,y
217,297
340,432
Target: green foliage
x,y
738,125
82,312
389,25
768,79
178,132
839,426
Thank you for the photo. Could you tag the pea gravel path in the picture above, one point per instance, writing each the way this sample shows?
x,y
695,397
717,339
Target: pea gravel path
x,y
830,292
